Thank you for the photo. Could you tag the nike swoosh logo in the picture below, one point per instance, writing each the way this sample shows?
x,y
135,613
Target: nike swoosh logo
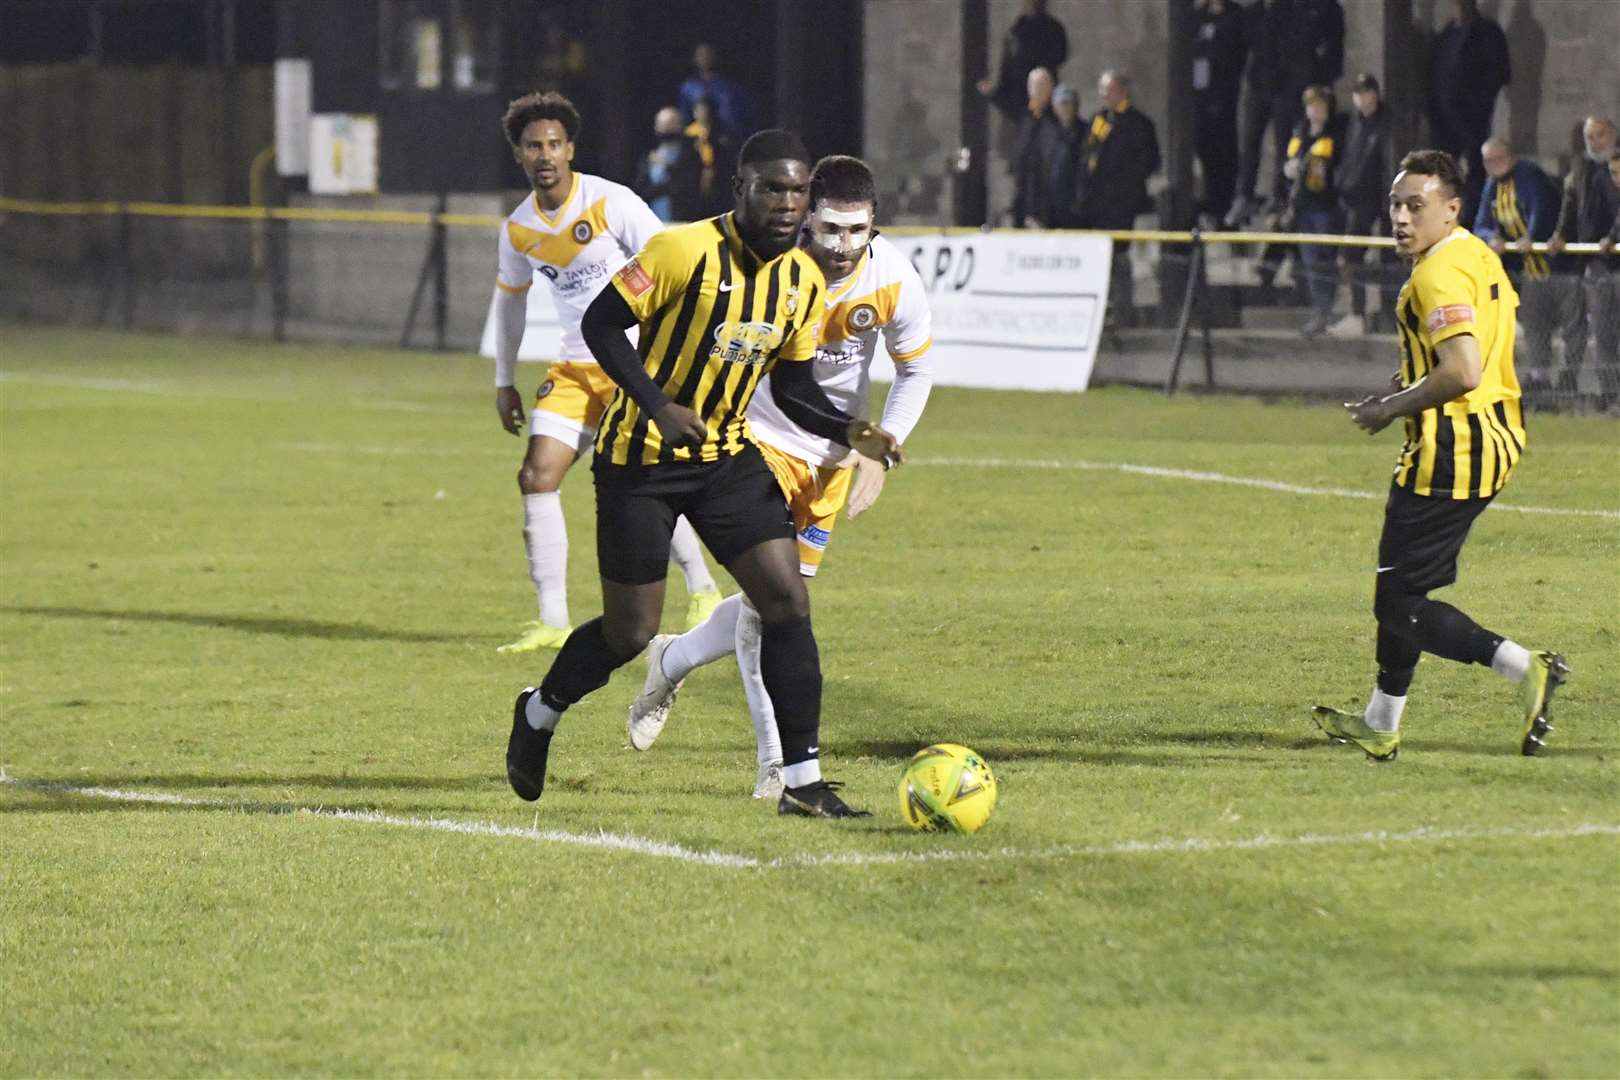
x,y
1385,569
725,286
815,750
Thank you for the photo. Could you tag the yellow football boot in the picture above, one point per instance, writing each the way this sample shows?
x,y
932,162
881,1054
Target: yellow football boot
x,y
1350,728
700,606
538,635
1547,673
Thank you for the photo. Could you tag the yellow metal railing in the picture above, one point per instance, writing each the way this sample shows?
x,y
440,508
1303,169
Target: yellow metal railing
x,y
491,221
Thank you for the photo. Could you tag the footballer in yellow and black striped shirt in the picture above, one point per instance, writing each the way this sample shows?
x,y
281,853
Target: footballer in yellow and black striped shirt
x,y
720,303
714,316
1457,390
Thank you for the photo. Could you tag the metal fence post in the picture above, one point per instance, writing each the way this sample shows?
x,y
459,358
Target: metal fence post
x,y
434,265
1192,295
279,260
441,275
126,264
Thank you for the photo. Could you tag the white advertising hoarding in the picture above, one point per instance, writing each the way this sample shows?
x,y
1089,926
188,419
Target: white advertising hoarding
x,y
1015,310
292,89
342,154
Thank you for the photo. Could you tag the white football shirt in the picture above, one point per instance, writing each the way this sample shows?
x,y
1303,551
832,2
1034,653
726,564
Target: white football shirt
x,y
883,294
577,249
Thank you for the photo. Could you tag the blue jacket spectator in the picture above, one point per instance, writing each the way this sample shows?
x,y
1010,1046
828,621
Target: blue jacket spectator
x,y
735,114
1518,200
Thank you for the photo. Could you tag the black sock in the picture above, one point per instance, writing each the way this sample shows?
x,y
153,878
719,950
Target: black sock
x,y
583,664
791,667
1397,662
1439,628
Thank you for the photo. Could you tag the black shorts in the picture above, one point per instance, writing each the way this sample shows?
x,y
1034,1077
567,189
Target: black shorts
x,y
734,504
1422,536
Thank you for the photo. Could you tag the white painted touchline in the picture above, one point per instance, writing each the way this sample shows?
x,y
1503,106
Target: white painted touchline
x,y
989,463
1199,845
637,845
1218,478
611,841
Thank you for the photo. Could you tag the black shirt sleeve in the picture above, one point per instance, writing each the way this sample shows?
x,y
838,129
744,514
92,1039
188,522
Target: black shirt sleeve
x,y
801,399
603,327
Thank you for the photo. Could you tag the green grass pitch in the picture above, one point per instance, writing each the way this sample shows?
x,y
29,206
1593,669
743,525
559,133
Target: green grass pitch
x,y
270,580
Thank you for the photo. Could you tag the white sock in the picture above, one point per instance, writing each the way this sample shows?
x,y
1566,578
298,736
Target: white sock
x,y
1512,660
801,773
1383,711
546,539
760,709
687,553
706,642
540,716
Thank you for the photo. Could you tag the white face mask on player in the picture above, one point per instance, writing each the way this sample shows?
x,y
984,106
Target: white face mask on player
x,y
837,237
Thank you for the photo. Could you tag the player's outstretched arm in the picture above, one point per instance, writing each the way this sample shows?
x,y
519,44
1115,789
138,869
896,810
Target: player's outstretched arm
x,y
801,399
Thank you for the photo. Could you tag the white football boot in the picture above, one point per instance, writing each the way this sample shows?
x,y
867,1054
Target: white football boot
x,y
650,710
768,784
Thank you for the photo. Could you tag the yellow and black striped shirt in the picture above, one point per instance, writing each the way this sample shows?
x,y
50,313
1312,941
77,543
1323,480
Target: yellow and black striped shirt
x,y
1511,224
714,319
1466,448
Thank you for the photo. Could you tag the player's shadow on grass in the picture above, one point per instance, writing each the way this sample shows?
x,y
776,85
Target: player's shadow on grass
x,y
280,626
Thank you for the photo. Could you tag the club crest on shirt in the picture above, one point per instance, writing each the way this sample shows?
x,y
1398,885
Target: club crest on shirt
x,y
863,317
790,300
582,232
545,388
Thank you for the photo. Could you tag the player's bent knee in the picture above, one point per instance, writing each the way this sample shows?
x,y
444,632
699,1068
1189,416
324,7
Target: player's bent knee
x,y
787,604
627,636
1393,608
538,480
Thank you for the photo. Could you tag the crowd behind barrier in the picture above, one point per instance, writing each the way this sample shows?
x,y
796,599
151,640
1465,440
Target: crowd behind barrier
x,y
423,278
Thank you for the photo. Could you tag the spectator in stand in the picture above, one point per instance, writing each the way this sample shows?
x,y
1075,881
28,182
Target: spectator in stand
x,y
1036,130
1220,46
1066,141
669,174
715,155
1610,242
1313,154
1036,40
1295,44
1120,153
1468,66
1363,188
1518,207
733,105
1587,216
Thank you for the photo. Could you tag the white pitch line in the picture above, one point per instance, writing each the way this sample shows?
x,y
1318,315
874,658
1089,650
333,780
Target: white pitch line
x,y
637,845
1219,478
1200,845
993,463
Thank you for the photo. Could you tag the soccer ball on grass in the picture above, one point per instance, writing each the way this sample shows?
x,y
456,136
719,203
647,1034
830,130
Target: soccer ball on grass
x,y
947,788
